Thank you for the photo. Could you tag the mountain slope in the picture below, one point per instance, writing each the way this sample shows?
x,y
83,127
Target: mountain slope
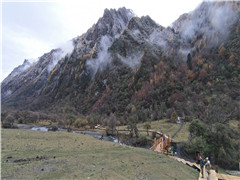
x,y
140,71
124,61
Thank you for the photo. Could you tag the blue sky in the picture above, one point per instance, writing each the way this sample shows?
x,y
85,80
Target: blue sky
x,y
32,28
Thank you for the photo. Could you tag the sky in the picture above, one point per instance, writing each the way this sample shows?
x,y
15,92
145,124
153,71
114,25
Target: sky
x,y
32,28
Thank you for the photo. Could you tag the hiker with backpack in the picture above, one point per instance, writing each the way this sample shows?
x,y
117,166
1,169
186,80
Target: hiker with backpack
x,y
208,168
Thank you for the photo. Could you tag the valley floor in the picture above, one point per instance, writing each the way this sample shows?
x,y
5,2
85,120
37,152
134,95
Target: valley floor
x,y
60,155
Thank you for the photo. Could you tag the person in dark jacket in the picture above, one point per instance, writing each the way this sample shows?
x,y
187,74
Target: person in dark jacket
x,y
202,166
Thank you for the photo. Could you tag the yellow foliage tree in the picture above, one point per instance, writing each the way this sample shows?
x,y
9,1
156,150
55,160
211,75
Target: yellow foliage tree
x,y
200,62
222,50
202,74
174,117
232,58
190,75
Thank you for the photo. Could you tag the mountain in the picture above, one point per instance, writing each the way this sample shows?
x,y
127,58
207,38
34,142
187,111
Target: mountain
x,y
16,71
124,61
127,69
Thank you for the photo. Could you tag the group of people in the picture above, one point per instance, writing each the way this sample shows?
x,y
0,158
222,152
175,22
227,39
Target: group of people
x,y
207,165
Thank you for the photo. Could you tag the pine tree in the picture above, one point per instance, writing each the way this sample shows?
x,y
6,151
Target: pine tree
x,y
189,61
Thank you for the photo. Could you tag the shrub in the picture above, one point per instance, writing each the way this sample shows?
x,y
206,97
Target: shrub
x,y
147,126
108,133
83,123
61,124
77,123
10,119
53,128
174,117
6,125
142,141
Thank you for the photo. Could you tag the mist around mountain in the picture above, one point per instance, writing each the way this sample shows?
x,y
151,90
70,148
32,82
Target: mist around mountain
x,y
140,71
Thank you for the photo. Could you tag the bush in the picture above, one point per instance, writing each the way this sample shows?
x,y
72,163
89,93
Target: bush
x,y
77,123
142,141
147,126
174,117
108,133
83,123
25,118
6,125
61,124
53,128
20,121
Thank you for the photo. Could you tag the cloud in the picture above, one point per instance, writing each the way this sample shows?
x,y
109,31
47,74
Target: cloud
x,y
103,58
212,19
65,49
222,18
8,93
133,61
158,37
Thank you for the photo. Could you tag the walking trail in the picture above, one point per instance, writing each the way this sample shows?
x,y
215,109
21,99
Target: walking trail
x,y
159,146
213,174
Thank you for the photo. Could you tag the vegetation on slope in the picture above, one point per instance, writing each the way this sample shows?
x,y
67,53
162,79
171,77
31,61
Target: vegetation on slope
x,y
205,88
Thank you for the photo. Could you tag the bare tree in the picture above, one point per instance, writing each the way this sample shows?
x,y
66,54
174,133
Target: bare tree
x,y
111,122
147,126
69,121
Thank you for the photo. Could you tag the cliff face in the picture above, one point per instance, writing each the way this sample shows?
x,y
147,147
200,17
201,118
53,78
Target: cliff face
x,y
124,61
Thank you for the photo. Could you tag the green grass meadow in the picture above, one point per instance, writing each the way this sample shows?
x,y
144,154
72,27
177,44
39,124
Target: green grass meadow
x,y
167,128
30,154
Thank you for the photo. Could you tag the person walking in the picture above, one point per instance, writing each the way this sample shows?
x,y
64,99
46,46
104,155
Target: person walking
x,y
198,158
208,168
202,166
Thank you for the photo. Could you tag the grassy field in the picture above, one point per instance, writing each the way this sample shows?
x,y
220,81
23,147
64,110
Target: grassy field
x,y
30,154
167,128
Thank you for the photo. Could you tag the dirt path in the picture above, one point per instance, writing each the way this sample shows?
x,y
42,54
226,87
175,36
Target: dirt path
x,y
213,175
182,124
227,177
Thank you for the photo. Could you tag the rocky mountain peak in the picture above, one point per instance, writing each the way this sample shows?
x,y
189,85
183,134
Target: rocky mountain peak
x,y
123,50
114,21
26,64
144,25
111,24
121,13
102,34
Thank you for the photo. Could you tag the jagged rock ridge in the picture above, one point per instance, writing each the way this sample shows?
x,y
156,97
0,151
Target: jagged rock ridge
x,y
112,62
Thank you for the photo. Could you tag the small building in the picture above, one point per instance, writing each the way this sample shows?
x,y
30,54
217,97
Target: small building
x,y
178,120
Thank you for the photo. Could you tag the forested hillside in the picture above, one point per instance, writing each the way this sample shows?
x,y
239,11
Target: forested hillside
x,y
140,71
